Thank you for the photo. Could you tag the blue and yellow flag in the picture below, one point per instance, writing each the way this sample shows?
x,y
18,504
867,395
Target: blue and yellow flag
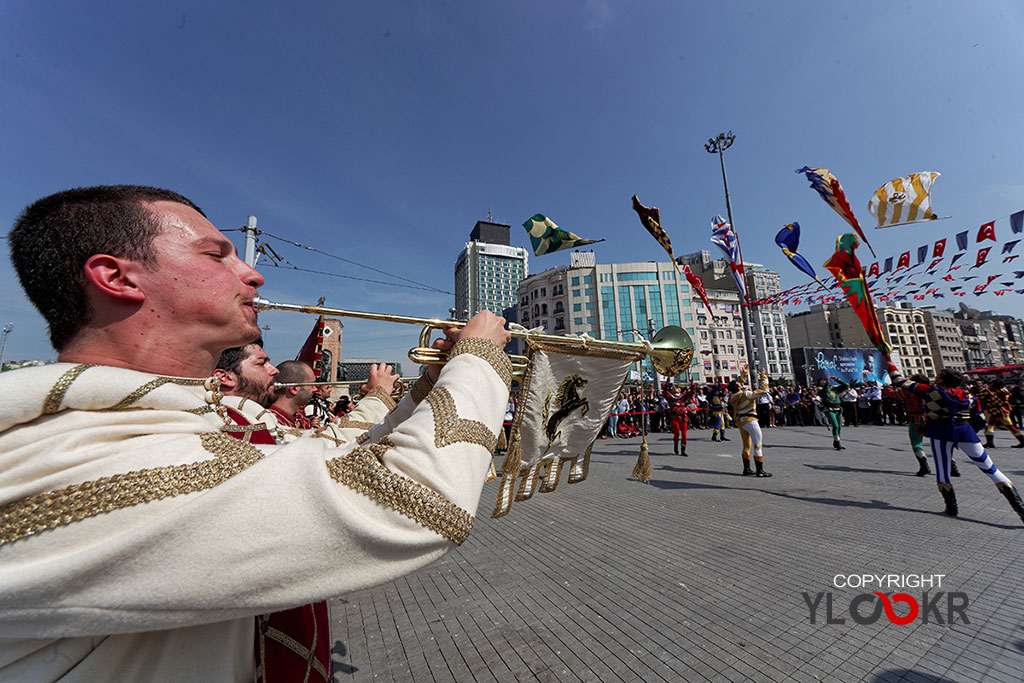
x,y
547,237
788,240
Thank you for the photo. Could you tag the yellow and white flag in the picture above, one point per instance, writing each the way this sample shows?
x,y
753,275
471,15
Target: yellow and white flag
x,y
904,200
565,398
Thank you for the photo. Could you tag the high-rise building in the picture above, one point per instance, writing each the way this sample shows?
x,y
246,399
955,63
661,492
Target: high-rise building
x,y
768,329
620,300
488,271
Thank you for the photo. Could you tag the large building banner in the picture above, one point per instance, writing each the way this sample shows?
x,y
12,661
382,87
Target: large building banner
x,y
849,365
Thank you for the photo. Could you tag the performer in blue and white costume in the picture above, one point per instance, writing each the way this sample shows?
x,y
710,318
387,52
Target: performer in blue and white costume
x,y
948,410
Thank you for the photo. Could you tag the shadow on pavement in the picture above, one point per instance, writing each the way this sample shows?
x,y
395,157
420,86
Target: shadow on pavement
x,y
874,504
894,675
846,468
338,653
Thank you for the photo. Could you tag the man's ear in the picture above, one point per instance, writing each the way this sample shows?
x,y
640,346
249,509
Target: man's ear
x,y
228,380
114,277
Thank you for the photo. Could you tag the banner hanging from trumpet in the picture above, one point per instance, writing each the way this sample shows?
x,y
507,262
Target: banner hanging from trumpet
x,y
566,397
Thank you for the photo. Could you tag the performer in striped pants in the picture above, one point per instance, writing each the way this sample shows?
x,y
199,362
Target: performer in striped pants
x,y
948,409
743,405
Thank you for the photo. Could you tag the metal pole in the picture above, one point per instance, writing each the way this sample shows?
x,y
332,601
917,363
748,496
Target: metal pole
x,y
250,241
657,381
3,349
720,144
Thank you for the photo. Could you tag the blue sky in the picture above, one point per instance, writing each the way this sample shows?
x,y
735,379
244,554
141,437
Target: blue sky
x,y
382,131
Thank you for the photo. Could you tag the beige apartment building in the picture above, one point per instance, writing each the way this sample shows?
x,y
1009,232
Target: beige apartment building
x,y
904,329
946,339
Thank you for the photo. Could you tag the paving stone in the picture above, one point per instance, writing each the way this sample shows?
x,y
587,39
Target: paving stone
x,y
698,575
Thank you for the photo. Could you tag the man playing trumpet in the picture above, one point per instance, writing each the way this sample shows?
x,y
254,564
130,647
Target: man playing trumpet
x,y
141,540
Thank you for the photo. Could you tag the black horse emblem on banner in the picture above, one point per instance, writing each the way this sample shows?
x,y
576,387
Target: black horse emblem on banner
x,y
566,402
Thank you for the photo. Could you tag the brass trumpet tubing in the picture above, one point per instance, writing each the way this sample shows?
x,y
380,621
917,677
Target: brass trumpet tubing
x,y
263,305
671,350
338,383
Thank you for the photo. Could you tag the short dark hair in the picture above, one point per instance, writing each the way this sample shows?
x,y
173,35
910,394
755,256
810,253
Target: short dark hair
x,y
920,379
292,371
54,237
734,386
950,378
231,359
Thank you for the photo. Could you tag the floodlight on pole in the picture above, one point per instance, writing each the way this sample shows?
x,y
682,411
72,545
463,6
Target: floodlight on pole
x,y
8,328
718,145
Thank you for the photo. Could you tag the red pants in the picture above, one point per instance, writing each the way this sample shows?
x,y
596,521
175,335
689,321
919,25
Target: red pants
x,y
678,423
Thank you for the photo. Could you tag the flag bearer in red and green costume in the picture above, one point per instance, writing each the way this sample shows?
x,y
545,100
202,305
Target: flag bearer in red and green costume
x,y
833,407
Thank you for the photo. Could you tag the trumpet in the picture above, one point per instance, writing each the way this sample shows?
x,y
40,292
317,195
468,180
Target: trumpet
x,y
670,350
339,383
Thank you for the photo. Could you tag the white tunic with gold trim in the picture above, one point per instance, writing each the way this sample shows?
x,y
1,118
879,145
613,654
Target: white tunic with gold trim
x,y
137,541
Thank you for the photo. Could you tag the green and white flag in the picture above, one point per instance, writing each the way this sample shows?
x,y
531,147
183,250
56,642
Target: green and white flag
x,y
547,237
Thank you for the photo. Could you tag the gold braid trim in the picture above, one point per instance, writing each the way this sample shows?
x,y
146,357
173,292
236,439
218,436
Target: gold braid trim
x,y
321,433
51,405
202,410
345,423
74,503
363,438
56,396
381,395
155,383
362,471
488,351
449,428
421,388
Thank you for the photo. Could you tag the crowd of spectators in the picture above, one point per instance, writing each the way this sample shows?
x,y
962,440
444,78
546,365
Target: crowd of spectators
x,y
785,405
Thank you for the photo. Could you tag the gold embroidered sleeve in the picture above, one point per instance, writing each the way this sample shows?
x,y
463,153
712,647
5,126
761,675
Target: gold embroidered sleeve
x,y
421,388
490,352
383,396
362,471
74,503
449,428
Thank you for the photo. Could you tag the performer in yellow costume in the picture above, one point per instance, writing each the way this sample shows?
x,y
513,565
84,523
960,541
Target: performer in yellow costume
x,y
742,403
995,400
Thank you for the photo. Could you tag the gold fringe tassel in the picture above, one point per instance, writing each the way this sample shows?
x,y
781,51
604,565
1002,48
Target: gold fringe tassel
x,y
492,474
642,471
502,440
512,463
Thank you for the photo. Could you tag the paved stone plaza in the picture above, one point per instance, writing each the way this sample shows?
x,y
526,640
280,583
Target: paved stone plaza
x,y
700,574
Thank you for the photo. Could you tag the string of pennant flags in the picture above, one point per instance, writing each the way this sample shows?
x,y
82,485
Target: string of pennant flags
x,y
946,266
955,265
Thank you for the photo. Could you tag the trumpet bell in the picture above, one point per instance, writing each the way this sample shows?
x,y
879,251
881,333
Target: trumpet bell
x,y
673,351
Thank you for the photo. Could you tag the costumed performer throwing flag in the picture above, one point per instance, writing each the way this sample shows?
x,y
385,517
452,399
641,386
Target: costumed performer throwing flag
x,y
832,406
677,402
950,409
742,403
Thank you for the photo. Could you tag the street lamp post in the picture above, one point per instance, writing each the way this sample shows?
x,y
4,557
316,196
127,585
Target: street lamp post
x,y
8,328
718,145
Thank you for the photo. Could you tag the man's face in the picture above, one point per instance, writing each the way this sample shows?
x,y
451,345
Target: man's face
x,y
198,283
305,394
255,380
